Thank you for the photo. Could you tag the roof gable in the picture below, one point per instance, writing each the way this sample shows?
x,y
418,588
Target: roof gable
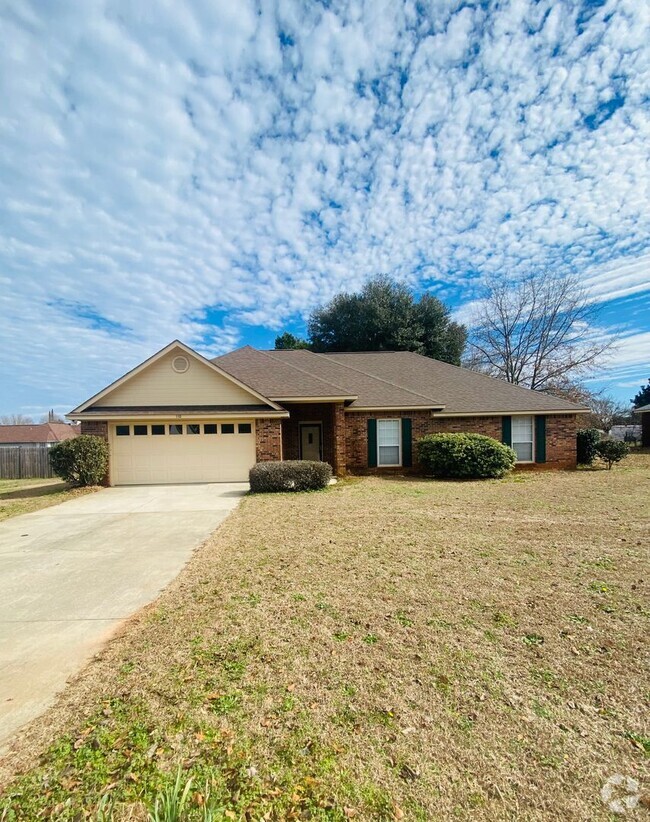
x,y
156,382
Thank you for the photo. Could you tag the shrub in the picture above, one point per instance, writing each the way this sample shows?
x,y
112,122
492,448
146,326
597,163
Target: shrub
x,y
290,475
80,461
611,451
465,456
586,441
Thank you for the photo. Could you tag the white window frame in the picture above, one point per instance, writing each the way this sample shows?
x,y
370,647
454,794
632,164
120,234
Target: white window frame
x,y
524,442
397,464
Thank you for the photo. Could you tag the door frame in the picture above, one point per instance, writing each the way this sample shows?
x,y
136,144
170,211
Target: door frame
x,y
314,424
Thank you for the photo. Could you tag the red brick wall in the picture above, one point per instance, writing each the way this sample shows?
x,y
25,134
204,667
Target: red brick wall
x,y
560,436
308,412
268,440
561,441
356,436
95,428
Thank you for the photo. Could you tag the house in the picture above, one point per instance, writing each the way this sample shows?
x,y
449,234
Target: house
x,y
644,412
179,417
44,435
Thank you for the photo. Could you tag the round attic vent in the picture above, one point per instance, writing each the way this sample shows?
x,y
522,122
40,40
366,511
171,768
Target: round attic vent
x,y
180,364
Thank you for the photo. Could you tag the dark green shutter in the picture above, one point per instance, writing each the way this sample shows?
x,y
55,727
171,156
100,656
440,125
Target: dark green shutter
x,y
407,447
540,438
372,443
506,430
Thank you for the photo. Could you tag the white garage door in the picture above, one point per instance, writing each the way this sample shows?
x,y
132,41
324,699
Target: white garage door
x,y
177,452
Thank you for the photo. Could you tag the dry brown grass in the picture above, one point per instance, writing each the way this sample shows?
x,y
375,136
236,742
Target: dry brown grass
x,y
384,649
24,496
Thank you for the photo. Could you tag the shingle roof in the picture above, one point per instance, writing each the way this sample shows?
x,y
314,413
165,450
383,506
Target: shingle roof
x,y
46,432
462,390
384,379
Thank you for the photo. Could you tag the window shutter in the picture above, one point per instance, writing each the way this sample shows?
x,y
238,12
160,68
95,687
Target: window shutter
x,y
540,438
506,430
372,443
407,443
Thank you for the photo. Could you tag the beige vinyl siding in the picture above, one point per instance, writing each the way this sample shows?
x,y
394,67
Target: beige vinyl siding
x,y
159,384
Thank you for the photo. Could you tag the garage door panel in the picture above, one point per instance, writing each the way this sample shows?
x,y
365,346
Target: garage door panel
x,y
181,458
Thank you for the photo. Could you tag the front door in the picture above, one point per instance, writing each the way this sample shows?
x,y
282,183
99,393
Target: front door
x,y
310,444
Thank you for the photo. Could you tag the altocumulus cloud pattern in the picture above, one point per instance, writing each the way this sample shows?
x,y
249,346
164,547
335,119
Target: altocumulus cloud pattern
x,y
212,170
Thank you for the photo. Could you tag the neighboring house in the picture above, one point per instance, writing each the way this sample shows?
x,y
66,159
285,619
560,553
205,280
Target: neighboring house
x,y
644,412
179,417
44,435
625,433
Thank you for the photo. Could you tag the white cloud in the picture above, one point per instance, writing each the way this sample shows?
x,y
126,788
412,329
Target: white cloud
x,y
168,161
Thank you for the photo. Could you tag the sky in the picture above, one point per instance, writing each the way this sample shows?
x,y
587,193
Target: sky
x,y
213,170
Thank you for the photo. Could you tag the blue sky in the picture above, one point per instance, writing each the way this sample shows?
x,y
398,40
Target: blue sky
x,y
212,170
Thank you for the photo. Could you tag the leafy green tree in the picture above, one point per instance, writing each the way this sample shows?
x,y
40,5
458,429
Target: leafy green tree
x,y
289,341
384,316
642,397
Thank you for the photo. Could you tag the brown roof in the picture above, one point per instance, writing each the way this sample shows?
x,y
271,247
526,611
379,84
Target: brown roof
x,y
46,432
384,379
462,390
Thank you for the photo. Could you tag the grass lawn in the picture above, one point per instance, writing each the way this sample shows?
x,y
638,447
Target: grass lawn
x,y
385,649
22,496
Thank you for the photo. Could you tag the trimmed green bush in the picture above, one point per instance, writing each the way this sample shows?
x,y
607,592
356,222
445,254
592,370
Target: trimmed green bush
x,y
587,440
290,475
80,461
611,451
465,456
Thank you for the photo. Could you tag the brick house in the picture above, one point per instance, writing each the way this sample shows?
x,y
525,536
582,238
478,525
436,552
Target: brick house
x,y
179,417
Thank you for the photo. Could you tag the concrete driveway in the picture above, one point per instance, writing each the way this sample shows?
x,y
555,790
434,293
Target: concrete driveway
x,y
71,573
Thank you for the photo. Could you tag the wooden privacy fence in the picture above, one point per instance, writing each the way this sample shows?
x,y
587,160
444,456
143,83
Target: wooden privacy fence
x,y
24,461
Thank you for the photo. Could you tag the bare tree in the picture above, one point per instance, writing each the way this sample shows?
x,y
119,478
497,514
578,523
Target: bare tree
x,y
16,419
536,331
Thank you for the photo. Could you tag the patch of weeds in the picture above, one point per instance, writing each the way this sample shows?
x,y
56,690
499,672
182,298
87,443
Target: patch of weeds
x,y
349,690
491,636
599,587
341,636
438,622
442,682
127,668
299,598
550,679
223,704
503,620
533,640
347,717
381,716
604,562
404,620
287,705
371,639
579,620
639,741
541,710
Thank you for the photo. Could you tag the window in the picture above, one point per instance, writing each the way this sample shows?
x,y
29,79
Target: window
x,y
522,438
228,428
245,428
175,429
140,430
210,428
388,442
122,430
193,428
157,430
